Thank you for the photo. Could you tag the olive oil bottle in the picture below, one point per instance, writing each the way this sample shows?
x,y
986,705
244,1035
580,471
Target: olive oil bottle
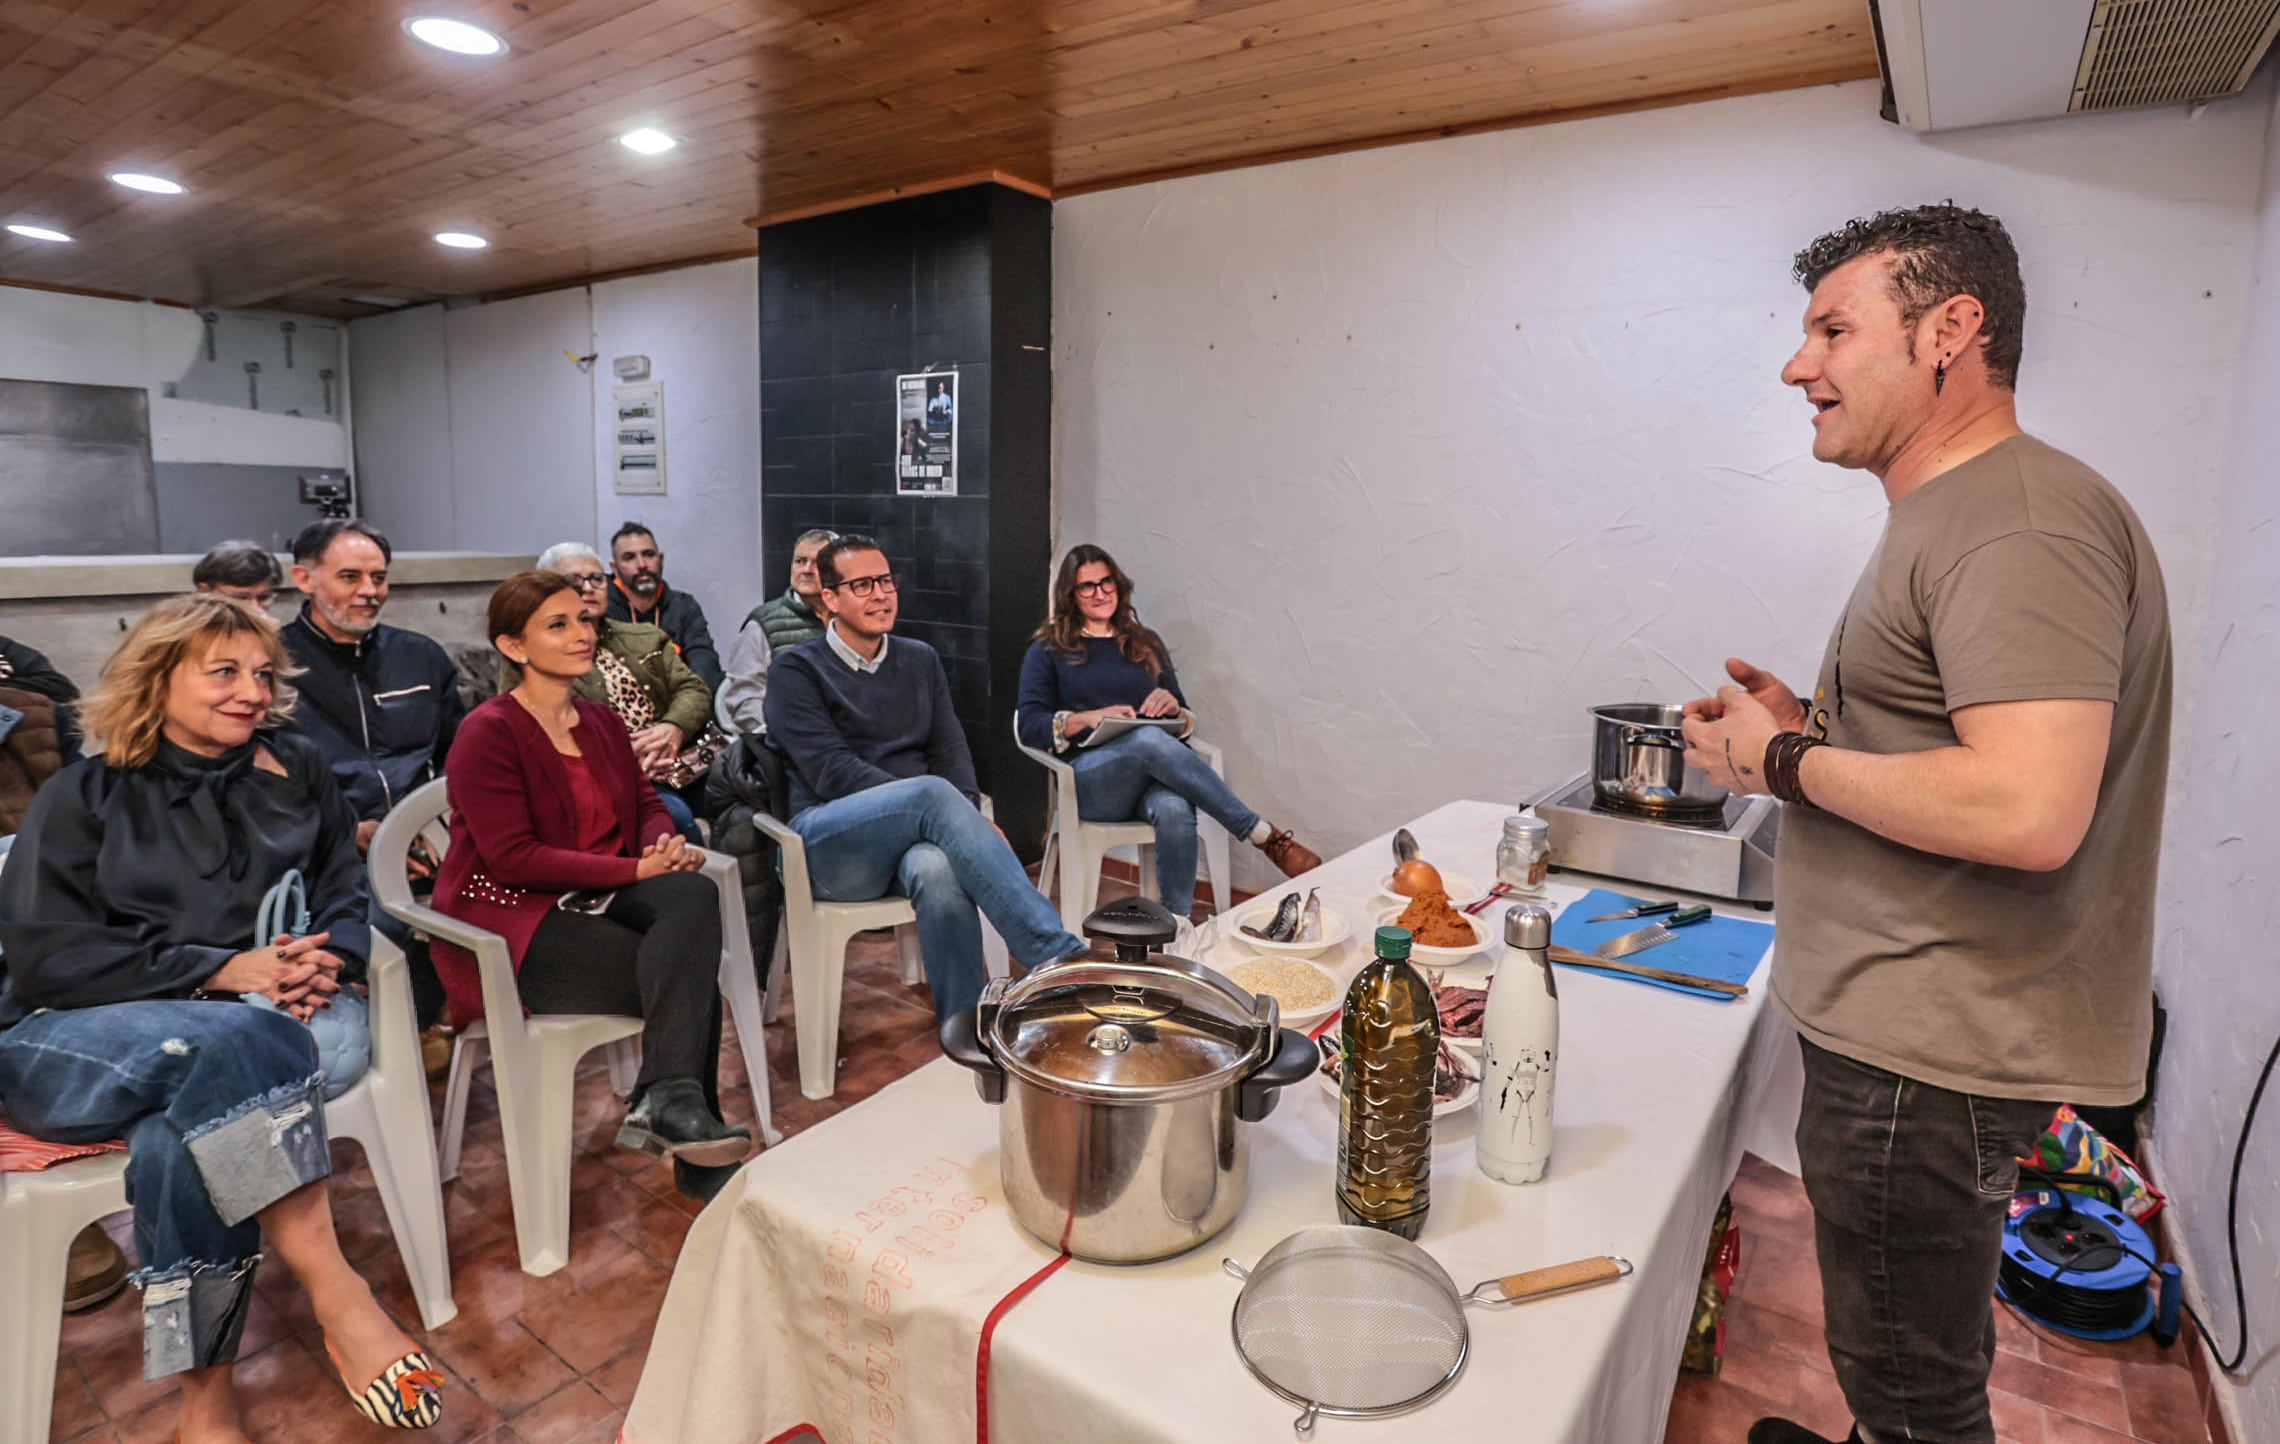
x,y
1392,1037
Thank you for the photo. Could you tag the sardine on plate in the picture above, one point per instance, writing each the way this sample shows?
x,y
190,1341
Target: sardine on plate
x,y
1284,924
1310,919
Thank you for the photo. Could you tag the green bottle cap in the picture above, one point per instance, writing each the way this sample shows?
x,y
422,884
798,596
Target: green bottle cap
x,y
1393,942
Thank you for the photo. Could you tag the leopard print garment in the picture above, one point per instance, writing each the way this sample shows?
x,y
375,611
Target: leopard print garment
x,y
632,702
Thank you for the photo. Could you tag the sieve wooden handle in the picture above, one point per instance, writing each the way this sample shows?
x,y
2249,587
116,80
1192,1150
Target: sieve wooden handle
x,y
1559,1278
1570,956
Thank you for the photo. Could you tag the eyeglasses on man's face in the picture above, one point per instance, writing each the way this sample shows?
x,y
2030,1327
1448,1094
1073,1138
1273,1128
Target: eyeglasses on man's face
x,y
1105,587
861,588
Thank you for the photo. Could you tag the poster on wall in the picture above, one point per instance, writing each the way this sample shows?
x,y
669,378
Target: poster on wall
x,y
926,434
637,439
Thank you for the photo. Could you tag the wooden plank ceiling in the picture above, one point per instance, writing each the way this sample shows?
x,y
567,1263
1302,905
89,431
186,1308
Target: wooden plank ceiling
x,y
322,146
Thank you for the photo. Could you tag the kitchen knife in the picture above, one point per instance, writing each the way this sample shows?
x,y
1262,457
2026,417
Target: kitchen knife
x,y
1655,936
1642,910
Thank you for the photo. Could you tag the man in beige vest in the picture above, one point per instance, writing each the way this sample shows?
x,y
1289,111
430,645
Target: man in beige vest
x,y
1966,871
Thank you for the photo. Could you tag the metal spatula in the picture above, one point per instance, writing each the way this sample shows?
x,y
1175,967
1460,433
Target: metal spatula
x,y
1639,940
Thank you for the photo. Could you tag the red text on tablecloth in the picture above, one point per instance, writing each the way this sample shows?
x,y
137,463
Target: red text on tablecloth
x,y
879,1255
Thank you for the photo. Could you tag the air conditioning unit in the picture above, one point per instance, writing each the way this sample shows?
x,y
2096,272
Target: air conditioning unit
x,y
1955,63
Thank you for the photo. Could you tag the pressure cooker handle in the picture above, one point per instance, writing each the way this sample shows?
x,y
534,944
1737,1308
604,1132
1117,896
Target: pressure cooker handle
x,y
962,1043
1133,925
1295,1060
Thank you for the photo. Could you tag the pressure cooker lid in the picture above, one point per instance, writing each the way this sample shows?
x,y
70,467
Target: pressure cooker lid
x,y
1122,1032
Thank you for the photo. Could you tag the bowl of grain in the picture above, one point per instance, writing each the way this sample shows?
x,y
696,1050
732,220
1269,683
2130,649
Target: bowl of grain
x,y
1305,993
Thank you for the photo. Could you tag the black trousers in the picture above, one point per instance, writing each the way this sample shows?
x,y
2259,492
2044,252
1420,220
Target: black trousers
x,y
653,955
1909,1185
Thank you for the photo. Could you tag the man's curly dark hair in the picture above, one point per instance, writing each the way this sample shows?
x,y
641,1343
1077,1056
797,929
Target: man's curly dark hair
x,y
1938,252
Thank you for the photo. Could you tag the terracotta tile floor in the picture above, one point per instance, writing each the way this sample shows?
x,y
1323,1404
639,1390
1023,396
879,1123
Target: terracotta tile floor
x,y
533,1361
2047,1388
555,1360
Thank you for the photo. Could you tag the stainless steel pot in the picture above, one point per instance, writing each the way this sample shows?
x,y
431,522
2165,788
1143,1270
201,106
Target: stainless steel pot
x,y
1638,760
1123,1086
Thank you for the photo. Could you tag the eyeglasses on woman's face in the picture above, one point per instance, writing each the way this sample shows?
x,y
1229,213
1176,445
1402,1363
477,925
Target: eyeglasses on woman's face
x,y
587,581
861,588
1105,587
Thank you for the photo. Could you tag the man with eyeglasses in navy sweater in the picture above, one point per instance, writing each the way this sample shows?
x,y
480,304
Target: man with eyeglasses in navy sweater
x,y
883,788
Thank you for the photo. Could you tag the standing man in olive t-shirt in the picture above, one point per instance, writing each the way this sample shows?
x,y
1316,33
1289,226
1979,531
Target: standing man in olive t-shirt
x,y
1966,871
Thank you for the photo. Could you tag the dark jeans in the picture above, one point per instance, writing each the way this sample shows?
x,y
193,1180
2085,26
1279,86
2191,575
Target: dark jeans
x,y
920,835
1909,1185
218,1103
1152,776
653,955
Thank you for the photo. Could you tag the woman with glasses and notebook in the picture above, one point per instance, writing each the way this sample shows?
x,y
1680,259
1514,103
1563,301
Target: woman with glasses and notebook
x,y
1095,668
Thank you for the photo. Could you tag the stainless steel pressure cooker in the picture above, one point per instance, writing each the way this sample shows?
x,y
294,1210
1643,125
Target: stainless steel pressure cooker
x,y
1124,1086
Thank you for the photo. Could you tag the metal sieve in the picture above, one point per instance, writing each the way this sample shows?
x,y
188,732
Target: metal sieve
x,y
1359,1324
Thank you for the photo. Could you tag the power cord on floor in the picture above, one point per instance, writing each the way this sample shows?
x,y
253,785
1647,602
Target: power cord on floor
x,y
2232,1220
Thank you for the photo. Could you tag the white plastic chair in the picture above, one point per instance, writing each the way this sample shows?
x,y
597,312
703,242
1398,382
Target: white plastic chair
x,y
1075,848
534,1058
811,954
40,1213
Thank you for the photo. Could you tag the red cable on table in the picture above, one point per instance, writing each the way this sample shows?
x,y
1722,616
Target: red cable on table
x,y
989,1327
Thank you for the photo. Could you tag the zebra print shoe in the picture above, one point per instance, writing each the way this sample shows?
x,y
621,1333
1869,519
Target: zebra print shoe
x,y
407,1396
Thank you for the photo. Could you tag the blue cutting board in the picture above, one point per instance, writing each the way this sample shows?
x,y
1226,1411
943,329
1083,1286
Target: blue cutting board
x,y
1724,948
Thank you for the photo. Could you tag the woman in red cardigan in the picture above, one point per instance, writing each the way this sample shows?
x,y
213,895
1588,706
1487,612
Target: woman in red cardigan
x,y
560,846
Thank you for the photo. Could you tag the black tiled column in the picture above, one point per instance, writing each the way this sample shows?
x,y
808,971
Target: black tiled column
x,y
851,300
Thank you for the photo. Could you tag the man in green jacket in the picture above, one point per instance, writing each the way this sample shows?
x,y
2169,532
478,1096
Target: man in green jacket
x,y
771,627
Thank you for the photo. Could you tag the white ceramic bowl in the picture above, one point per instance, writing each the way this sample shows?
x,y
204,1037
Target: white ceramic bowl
x,y
1335,929
1467,1065
1461,890
1299,1018
1431,957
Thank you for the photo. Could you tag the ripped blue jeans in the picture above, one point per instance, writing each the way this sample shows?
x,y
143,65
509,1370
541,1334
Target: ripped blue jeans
x,y
222,1112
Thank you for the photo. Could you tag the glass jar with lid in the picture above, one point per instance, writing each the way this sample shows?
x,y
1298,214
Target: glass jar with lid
x,y
1524,855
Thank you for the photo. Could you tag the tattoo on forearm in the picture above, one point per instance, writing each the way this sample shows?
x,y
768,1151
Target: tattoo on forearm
x,y
1738,771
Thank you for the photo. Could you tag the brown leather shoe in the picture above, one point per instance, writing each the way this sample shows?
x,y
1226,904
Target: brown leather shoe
x,y
435,1051
1289,854
96,1270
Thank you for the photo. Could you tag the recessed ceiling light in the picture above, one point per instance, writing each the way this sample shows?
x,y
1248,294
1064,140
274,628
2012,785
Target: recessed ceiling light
x,y
456,36
647,141
37,233
157,185
460,240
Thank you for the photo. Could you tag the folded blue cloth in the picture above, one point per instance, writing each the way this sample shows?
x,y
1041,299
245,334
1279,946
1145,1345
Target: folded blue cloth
x,y
1727,949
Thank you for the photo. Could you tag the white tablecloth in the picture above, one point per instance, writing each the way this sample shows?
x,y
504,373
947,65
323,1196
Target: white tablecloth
x,y
801,1297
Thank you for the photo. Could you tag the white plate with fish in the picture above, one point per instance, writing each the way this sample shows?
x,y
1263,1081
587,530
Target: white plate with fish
x,y
1427,955
1456,1075
1305,993
1282,925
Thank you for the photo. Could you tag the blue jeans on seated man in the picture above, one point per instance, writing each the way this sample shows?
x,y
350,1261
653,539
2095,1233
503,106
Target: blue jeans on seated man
x,y
1149,775
920,837
218,1105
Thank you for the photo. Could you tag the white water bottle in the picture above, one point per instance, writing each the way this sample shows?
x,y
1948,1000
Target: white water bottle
x,y
1520,1043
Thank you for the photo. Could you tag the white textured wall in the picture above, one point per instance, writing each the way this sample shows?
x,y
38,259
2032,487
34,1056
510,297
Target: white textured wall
x,y
91,341
2215,965
1416,453
700,329
475,431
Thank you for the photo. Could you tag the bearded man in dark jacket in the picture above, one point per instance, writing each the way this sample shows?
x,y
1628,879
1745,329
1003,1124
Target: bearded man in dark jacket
x,y
380,703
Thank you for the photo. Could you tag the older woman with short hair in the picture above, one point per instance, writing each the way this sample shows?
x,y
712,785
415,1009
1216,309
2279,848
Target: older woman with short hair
x,y
130,903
